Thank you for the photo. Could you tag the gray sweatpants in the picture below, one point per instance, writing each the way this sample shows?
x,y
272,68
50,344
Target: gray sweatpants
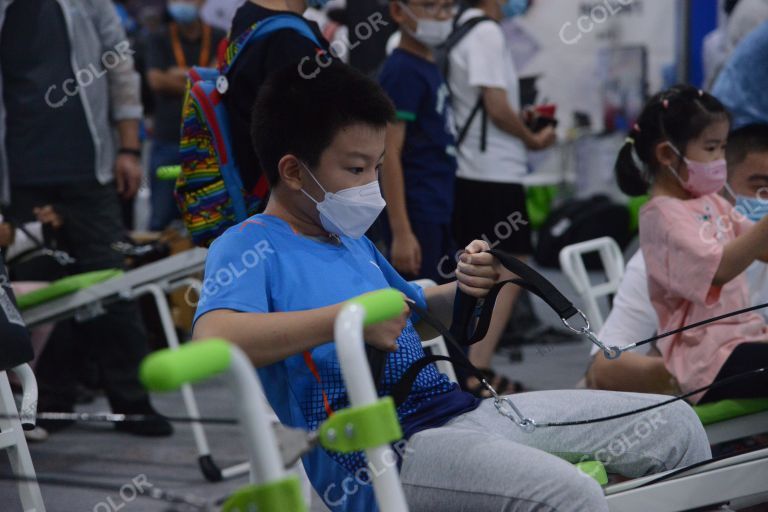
x,y
482,462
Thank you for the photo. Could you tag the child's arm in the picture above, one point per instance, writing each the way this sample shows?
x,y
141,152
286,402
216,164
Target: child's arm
x,y
739,254
271,337
405,252
476,273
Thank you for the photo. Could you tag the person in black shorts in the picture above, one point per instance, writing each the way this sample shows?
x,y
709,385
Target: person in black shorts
x,y
493,163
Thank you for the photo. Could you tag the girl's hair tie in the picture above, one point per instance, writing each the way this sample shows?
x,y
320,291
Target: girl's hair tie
x,y
636,128
665,103
701,93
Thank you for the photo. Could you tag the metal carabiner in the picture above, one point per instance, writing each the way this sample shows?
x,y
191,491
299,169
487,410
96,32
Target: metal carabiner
x,y
510,411
610,352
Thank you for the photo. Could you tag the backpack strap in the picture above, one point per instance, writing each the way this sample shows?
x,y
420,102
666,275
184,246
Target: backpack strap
x,y
263,29
460,31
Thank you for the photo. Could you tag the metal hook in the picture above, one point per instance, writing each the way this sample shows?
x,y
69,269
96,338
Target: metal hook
x,y
610,352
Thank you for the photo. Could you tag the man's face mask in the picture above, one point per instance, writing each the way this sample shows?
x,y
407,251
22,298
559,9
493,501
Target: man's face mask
x,y
753,208
350,211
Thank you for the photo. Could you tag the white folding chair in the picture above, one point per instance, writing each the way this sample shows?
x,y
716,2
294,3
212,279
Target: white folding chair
x,y
12,435
437,346
572,264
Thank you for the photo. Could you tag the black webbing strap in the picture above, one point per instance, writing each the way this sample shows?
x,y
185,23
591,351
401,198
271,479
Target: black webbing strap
x,y
465,306
402,388
464,331
479,106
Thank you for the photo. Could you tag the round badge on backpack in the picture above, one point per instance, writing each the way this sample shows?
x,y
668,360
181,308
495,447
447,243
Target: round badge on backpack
x,y
222,84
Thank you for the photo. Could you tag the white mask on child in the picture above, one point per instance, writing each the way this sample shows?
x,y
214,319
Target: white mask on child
x,y
350,211
430,33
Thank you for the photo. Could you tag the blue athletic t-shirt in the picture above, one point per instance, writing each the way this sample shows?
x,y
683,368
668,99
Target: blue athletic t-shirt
x,y
263,266
421,99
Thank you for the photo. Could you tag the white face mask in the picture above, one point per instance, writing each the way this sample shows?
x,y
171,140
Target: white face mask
x,y
430,33
350,211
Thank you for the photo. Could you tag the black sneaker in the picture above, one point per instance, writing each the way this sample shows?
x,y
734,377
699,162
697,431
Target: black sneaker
x,y
53,426
154,426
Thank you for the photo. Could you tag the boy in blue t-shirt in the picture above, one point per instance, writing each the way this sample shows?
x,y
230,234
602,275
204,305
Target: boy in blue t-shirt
x,y
275,283
420,162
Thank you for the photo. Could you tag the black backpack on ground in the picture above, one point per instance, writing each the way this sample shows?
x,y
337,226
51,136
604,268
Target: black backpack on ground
x,y
578,221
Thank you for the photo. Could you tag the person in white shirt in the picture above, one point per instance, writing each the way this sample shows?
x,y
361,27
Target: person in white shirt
x,y
633,318
492,145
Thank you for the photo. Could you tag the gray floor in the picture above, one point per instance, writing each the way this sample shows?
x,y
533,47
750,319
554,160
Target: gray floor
x,y
95,453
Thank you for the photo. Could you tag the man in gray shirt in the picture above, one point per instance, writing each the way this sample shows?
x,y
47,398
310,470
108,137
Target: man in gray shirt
x,y
69,137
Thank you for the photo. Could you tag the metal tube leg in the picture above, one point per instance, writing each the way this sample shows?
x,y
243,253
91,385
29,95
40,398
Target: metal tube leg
x,y
209,468
12,439
173,343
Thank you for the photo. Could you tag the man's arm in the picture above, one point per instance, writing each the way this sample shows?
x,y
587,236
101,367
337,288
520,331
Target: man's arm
x,y
171,81
128,171
631,372
506,119
124,81
740,253
405,252
124,96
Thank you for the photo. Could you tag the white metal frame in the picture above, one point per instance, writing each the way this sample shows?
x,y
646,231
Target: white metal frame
x,y
572,264
350,348
12,435
719,482
156,279
437,345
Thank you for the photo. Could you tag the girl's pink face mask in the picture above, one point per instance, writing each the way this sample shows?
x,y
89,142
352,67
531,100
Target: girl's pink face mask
x,y
703,177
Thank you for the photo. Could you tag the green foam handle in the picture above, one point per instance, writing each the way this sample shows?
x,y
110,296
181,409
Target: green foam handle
x,y
716,412
168,370
168,172
380,305
595,469
362,427
279,496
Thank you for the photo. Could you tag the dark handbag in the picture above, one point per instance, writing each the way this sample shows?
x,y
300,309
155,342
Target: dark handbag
x,y
579,221
15,346
44,262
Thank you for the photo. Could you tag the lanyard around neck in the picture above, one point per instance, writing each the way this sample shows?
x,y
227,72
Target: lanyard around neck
x,y
178,52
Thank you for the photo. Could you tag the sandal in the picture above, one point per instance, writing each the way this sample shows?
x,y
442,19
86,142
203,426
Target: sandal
x,y
501,384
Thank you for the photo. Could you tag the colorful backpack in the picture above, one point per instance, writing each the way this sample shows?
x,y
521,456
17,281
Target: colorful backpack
x,y
209,191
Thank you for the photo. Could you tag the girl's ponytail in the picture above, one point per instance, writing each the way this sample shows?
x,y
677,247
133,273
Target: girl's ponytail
x,y
630,177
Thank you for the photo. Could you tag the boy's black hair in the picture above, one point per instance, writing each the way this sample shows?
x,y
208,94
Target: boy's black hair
x,y
678,115
752,138
297,115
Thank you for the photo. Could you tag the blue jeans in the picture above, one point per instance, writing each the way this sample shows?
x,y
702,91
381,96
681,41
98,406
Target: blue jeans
x,y
162,203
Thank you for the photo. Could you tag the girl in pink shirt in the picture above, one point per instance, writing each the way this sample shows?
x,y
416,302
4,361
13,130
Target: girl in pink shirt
x,y
696,245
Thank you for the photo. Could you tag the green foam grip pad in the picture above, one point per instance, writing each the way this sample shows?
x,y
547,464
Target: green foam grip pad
x,y
168,370
279,496
728,409
380,305
168,172
65,286
359,428
595,469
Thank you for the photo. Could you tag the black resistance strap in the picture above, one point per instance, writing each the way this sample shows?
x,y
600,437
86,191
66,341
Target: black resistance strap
x,y
465,331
